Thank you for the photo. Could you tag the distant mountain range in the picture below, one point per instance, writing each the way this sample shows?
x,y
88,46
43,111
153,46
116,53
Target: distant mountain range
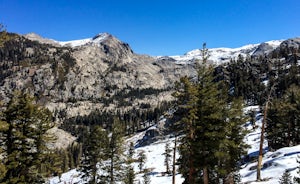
x,y
221,55
216,55
103,73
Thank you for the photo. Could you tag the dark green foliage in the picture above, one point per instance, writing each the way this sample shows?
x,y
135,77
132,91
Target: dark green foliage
x,y
115,153
94,153
232,147
129,173
133,120
297,178
4,36
141,160
286,178
3,128
168,157
146,177
74,152
245,79
284,120
211,125
25,140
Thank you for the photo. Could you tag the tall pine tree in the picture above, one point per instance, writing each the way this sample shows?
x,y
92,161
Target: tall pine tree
x,y
115,153
212,142
25,139
94,155
3,128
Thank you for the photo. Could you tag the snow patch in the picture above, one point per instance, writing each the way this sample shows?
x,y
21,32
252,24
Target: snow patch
x,y
99,38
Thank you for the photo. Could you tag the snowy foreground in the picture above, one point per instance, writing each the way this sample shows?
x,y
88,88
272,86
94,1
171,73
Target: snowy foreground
x,y
275,163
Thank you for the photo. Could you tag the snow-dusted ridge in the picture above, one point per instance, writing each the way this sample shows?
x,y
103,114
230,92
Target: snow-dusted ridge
x,y
95,40
223,54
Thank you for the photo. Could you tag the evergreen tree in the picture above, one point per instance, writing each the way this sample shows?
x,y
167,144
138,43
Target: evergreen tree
x,y
210,125
286,178
213,134
186,95
297,178
53,165
3,128
141,160
3,35
146,177
284,120
115,153
94,154
25,139
168,157
66,160
232,147
130,174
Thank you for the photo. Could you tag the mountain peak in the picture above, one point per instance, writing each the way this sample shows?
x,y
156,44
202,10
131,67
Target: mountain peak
x,y
97,39
37,37
101,36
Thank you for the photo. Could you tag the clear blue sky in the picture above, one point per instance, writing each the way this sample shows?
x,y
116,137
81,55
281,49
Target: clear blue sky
x,y
157,27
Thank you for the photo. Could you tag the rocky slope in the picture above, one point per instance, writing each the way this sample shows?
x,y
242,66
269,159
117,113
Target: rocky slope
x,y
76,78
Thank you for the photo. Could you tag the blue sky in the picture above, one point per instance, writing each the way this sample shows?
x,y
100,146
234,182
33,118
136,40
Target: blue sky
x,y
157,27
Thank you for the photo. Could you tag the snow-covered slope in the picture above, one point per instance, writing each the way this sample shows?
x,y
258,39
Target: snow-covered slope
x,y
274,163
95,40
221,55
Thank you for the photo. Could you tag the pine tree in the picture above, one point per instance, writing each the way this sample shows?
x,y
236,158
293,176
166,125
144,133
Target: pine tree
x,y
66,160
25,139
3,128
186,95
94,154
146,177
141,160
168,157
115,153
129,173
210,125
286,178
297,178
4,36
53,164
284,121
213,136
232,147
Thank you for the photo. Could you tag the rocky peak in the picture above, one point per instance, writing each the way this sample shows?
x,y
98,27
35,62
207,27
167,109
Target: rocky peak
x,y
36,37
262,49
293,43
101,36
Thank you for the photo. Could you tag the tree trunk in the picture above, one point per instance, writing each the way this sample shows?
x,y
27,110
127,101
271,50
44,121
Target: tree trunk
x,y
174,160
112,169
205,175
259,166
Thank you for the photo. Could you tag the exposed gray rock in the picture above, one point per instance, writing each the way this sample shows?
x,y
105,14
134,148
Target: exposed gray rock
x,y
262,50
102,67
291,43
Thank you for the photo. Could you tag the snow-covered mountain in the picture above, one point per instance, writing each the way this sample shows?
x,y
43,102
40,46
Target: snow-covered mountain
x,y
221,55
95,40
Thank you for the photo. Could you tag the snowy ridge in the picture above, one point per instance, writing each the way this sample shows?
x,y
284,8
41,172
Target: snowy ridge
x,y
95,40
223,54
